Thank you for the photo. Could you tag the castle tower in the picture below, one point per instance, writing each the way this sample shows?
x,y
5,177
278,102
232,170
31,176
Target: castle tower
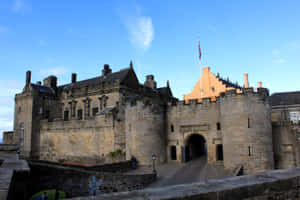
x,y
145,132
247,130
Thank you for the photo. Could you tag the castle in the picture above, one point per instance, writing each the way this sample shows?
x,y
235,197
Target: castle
x,y
237,126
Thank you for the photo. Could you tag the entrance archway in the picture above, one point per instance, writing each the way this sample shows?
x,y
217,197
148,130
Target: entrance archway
x,y
195,147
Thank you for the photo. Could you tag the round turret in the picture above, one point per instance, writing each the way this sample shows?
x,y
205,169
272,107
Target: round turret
x,y
145,133
247,130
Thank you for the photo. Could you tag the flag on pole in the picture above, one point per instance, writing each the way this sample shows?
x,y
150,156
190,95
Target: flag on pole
x,y
200,53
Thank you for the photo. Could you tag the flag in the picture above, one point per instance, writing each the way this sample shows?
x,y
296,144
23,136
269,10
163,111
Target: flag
x,y
199,51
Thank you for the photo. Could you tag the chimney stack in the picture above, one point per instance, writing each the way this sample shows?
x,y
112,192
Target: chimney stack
x,y
106,70
259,84
74,77
28,77
150,81
246,82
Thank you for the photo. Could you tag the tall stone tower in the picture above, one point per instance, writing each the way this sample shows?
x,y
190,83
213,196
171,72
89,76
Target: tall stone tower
x,y
247,130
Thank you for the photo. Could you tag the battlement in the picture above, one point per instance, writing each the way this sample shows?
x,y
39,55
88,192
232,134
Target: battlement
x,y
264,92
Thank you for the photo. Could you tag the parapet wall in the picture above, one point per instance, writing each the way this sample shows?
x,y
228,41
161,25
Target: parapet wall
x,y
269,185
81,182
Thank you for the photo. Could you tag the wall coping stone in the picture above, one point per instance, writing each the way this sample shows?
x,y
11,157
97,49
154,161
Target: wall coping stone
x,y
239,187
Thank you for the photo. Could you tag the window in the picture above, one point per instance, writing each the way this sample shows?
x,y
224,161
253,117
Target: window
x,y
172,128
47,114
66,115
22,133
248,122
218,126
19,109
219,152
173,153
79,114
213,89
295,117
95,111
249,151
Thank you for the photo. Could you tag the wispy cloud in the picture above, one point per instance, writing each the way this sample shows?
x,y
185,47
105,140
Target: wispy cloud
x,y
60,70
140,28
275,52
279,61
19,6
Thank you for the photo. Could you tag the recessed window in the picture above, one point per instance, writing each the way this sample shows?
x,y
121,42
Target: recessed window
x,y
79,114
66,115
249,151
47,114
219,152
213,89
173,153
218,126
95,111
172,128
19,109
248,122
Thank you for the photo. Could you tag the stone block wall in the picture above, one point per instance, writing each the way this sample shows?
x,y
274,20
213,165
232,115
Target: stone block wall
x,y
247,131
79,182
185,120
269,185
145,132
78,140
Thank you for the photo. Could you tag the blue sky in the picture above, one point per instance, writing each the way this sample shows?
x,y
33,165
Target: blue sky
x,y
260,37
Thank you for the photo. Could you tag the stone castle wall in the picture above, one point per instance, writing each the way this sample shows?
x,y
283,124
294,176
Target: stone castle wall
x,y
145,132
78,140
193,118
247,131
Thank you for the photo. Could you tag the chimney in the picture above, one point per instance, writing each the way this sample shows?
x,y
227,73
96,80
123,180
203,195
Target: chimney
x,y
39,83
106,70
150,81
28,77
51,81
74,77
246,82
259,84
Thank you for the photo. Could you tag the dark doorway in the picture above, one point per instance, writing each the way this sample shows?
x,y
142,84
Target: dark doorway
x,y
173,153
219,152
196,147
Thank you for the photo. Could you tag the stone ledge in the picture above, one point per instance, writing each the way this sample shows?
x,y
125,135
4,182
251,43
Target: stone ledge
x,y
265,184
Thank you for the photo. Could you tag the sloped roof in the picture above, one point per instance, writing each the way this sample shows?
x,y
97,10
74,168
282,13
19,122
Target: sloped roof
x,y
109,78
43,88
229,84
165,91
285,98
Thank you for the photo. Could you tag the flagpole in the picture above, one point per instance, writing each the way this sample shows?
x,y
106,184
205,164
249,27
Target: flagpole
x,y
199,49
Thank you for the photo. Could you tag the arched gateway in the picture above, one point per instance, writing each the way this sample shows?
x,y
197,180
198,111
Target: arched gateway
x,y
195,147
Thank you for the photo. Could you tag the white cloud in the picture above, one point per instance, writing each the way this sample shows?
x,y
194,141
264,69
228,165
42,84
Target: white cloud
x,y
19,6
275,52
279,61
60,70
140,28
141,32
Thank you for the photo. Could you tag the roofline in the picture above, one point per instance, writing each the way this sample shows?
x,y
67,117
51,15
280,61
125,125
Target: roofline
x,y
290,92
